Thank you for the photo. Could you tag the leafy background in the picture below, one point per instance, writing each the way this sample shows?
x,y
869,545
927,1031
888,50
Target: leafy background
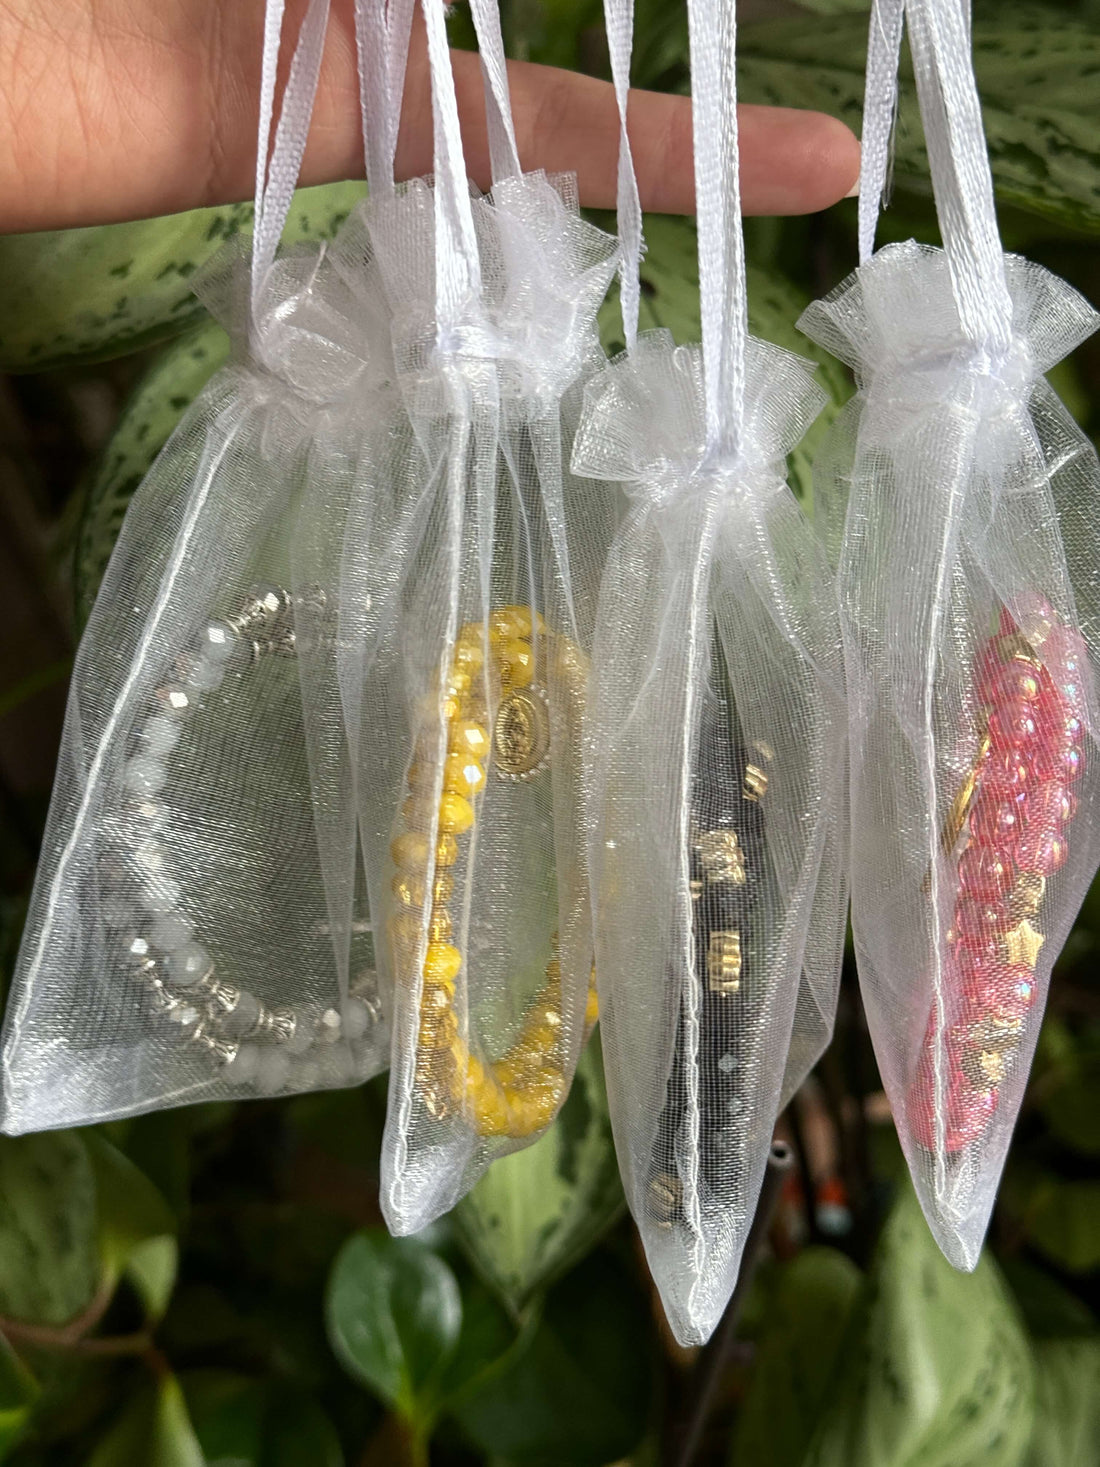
x,y
212,1285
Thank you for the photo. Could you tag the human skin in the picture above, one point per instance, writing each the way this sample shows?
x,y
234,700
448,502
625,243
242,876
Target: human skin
x,y
122,109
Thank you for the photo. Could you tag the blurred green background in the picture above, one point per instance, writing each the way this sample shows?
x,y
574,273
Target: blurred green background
x,y
212,1285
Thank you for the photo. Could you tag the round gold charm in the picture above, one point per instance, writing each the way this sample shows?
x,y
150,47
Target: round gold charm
x,y
521,735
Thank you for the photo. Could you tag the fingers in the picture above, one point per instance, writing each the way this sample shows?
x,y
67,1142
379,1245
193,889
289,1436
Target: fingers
x,y
120,109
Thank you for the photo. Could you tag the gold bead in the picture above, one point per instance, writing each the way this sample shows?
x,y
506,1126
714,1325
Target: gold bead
x,y
456,814
458,683
441,961
405,929
516,662
462,775
472,632
985,1068
409,890
439,925
442,888
467,737
756,783
663,1199
722,857
410,851
516,621
469,654
724,963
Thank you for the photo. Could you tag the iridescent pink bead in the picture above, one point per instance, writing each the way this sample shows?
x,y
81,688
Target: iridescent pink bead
x,y
996,822
1004,773
1042,851
1049,807
976,947
982,872
1013,725
1073,764
1018,679
1010,989
975,918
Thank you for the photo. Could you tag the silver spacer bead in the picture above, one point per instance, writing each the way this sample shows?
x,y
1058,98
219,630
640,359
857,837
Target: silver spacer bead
x,y
276,1024
222,1048
224,996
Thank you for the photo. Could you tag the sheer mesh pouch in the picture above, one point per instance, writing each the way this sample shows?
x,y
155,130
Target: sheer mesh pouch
x,y
969,578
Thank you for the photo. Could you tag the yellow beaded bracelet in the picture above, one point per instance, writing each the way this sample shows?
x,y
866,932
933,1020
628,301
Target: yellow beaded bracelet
x,y
519,1093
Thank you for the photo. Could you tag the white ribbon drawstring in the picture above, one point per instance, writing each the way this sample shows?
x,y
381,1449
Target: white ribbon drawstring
x,y
503,152
277,178
939,38
619,23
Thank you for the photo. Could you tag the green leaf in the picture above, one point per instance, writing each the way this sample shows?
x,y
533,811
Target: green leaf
x,y
49,1261
136,1226
18,1392
1067,1405
536,1212
154,1430
88,294
243,1422
806,1323
1062,1219
1037,73
937,1371
394,1315
580,1394
148,420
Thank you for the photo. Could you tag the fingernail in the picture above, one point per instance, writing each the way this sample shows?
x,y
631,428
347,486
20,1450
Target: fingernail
x,y
853,192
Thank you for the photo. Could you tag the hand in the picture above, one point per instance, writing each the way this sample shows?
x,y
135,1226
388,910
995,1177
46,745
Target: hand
x,y
119,109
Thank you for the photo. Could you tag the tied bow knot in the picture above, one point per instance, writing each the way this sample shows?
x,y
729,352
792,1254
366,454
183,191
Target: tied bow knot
x,y
643,423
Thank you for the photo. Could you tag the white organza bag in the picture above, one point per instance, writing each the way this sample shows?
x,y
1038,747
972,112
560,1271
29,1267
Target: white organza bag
x,y
190,931
970,596
716,732
473,561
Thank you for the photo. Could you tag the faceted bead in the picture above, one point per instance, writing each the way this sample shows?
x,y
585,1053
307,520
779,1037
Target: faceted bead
x,y
983,874
410,851
457,683
516,621
467,737
1010,989
405,929
516,661
1012,725
469,654
422,775
243,1067
442,961
409,890
456,814
357,1018
462,775
273,1071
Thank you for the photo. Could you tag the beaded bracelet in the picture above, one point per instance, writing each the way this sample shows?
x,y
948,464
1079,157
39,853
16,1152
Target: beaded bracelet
x,y
728,874
256,1044
519,1093
1013,808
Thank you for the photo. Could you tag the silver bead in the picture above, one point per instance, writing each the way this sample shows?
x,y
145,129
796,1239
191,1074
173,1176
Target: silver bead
x,y
246,1013
273,1071
259,610
218,641
173,700
283,1024
224,996
190,965
328,1029
138,952
161,734
242,1068
358,1017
